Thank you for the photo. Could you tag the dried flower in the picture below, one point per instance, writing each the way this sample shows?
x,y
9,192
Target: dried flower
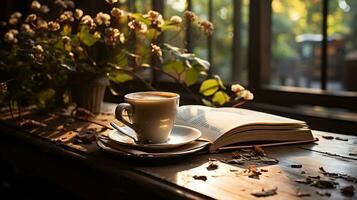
x,y
237,88
111,2
14,18
175,20
66,39
35,5
42,24
206,27
64,4
78,13
247,95
27,29
102,18
38,49
13,21
53,26
60,3
190,16
44,9
156,50
97,35
117,13
70,4
31,18
66,16
17,15
155,18
138,26
88,20
113,36
10,36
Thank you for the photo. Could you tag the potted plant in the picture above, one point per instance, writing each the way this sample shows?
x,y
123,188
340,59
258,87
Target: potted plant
x,y
89,51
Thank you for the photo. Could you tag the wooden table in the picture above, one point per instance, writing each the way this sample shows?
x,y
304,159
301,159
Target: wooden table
x,y
92,174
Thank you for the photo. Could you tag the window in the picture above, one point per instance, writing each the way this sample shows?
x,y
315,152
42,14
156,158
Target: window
x,y
287,52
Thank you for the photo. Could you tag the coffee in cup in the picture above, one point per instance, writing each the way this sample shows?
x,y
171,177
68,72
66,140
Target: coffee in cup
x,y
151,114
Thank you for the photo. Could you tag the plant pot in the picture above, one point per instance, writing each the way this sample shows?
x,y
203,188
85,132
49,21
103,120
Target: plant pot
x,y
87,90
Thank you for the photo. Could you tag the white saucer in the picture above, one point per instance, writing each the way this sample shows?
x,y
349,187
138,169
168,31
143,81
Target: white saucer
x,y
179,136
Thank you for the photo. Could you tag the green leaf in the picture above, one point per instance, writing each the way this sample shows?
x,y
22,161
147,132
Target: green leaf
x,y
121,59
152,33
209,87
205,64
175,66
120,77
220,98
86,37
167,27
191,76
141,18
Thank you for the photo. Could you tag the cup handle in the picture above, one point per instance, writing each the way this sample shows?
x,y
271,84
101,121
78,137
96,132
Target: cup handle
x,y
119,114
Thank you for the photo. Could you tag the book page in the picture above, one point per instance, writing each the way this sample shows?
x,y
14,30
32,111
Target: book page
x,y
200,117
215,122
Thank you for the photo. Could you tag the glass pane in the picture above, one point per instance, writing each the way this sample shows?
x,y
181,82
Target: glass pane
x,y
199,43
174,7
342,46
222,38
142,6
296,43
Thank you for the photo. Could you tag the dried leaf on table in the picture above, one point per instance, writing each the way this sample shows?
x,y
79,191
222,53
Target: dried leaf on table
x,y
269,161
327,194
68,136
87,136
327,137
302,194
259,151
296,166
236,155
201,177
324,184
30,123
315,177
82,113
212,165
265,193
338,175
235,161
342,139
348,190
252,172
304,181
352,154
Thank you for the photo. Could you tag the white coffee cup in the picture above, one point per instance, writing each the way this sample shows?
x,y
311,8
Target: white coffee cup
x,y
151,114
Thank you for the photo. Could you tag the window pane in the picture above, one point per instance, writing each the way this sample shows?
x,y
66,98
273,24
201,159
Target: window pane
x,y
199,43
142,6
296,43
222,38
174,7
342,46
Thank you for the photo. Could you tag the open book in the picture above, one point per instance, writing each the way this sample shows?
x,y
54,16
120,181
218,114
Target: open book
x,y
225,127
